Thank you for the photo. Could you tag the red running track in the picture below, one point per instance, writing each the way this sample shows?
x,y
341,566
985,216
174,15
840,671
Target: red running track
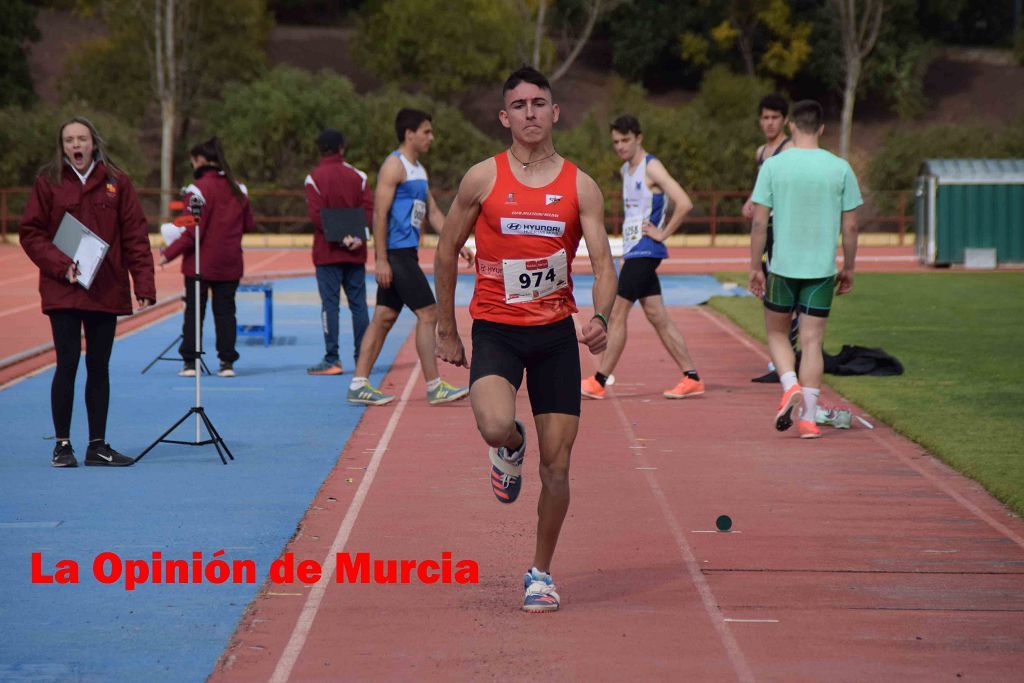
x,y
24,332
853,557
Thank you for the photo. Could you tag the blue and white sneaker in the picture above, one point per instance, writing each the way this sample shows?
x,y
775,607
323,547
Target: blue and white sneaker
x,y
540,592
507,469
369,396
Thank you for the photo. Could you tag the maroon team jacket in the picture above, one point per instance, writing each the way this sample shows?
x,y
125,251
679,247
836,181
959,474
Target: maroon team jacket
x,y
223,220
107,205
335,184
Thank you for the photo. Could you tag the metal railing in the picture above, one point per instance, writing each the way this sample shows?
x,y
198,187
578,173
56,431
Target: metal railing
x,y
715,212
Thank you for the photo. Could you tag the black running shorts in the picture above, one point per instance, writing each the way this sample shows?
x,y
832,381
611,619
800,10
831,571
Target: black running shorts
x,y
409,285
549,354
638,278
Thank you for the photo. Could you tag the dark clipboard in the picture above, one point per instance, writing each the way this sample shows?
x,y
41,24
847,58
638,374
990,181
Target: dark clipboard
x,y
341,223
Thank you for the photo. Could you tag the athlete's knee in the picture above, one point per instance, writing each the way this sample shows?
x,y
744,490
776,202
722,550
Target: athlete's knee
x,y
385,317
656,316
495,430
427,315
555,475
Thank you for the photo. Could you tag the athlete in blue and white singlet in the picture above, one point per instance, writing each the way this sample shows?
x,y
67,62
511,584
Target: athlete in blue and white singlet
x,y
646,187
640,205
409,207
402,204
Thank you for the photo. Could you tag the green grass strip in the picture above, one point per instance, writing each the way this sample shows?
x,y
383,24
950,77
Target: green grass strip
x,y
960,337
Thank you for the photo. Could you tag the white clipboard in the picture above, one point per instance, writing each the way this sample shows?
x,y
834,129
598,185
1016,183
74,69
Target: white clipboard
x,y
83,246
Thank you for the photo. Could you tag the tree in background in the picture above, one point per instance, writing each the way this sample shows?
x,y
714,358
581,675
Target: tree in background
x,y
569,14
859,22
28,136
706,144
174,53
17,27
269,126
764,32
644,37
442,46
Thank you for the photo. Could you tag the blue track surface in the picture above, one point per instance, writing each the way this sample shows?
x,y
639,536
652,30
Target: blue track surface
x,y
285,429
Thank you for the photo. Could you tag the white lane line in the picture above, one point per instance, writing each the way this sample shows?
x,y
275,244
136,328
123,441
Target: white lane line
x,y
19,309
734,334
752,621
732,648
290,654
886,443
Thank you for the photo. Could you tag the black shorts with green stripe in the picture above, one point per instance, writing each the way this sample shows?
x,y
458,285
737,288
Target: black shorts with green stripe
x,y
809,296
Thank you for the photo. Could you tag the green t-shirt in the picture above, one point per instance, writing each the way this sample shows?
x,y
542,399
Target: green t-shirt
x,y
808,191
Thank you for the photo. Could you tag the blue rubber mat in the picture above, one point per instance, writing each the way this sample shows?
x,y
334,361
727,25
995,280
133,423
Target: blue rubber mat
x,y
286,430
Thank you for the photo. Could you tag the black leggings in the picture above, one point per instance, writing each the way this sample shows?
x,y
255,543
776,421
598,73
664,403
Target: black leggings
x,y
223,318
67,340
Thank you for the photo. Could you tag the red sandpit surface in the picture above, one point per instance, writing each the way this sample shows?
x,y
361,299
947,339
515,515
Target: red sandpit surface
x,y
853,557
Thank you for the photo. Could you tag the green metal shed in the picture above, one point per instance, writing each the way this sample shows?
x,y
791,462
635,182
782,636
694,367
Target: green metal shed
x,y
963,204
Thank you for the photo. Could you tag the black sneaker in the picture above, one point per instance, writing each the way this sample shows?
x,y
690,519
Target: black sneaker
x,y
226,370
64,455
101,454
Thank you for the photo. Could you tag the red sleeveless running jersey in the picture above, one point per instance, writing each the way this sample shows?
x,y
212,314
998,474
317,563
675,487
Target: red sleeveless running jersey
x,y
526,239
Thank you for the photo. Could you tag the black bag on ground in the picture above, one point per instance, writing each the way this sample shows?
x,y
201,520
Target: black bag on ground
x,y
860,360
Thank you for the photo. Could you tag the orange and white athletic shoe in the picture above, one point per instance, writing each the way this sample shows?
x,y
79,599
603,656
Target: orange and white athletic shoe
x,y
686,388
591,388
790,400
809,430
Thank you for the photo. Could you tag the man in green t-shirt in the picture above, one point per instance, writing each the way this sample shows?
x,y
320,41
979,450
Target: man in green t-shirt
x,y
814,196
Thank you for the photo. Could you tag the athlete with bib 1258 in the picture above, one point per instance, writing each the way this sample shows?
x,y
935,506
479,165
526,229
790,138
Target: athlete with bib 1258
x,y
529,208
645,185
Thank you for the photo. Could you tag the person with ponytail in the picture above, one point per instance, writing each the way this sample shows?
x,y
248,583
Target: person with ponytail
x,y
83,182
225,216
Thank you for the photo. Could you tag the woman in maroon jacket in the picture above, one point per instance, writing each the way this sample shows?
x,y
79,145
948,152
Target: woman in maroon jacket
x,y
83,182
225,216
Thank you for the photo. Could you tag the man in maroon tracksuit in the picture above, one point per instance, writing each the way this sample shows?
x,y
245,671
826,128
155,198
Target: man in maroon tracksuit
x,y
335,184
225,216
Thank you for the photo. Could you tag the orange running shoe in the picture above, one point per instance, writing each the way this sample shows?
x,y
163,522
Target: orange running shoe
x,y
809,430
686,388
790,400
591,388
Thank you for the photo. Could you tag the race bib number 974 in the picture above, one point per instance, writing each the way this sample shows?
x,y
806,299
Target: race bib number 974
x,y
531,279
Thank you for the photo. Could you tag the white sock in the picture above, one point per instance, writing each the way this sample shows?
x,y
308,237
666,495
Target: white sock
x,y
771,366
810,402
358,383
433,383
788,380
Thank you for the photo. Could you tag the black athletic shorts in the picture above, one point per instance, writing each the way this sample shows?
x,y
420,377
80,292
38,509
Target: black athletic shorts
x,y
409,285
638,278
549,354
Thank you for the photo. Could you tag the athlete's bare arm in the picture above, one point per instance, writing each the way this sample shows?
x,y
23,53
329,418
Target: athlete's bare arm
x,y
437,220
748,206
595,333
390,177
681,203
758,238
473,189
849,232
